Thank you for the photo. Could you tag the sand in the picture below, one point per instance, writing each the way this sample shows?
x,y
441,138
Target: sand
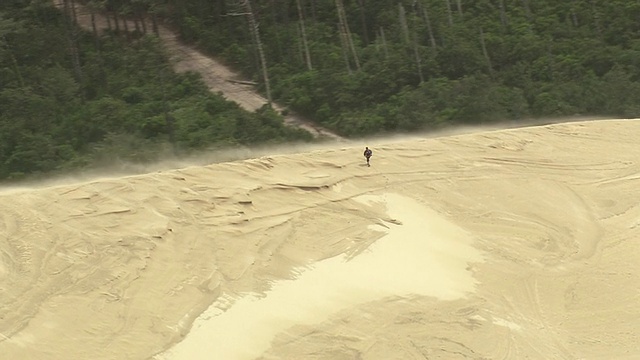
x,y
510,244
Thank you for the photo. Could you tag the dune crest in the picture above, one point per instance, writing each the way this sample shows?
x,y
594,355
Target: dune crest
x,y
535,254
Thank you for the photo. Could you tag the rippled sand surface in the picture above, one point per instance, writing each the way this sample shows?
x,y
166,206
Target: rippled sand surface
x,y
507,244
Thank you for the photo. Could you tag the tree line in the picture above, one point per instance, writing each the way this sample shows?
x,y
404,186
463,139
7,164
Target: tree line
x,y
365,66
70,99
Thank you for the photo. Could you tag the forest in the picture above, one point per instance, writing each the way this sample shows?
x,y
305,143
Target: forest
x,y
71,98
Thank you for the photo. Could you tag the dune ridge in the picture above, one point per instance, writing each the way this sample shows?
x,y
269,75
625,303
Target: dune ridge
x,y
122,268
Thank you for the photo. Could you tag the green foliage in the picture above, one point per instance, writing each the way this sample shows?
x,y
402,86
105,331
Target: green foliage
x,y
126,105
534,58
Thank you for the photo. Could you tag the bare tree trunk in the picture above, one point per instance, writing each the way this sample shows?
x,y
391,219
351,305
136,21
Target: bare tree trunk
x,y
345,48
307,55
402,15
313,11
527,10
596,18
106,16
280,15
72,41
486,53
459,6
425,16
449,14
125,23
256,34
136,23
115,19
410,39
70,23
94,27
168,118
345,26
92,12
384,42
143,23
73,13
299,46
552,63
363,20
416,53
574,16
14,61
154,24
503,13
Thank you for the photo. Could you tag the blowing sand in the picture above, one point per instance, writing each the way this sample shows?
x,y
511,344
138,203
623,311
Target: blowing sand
x,y
512,244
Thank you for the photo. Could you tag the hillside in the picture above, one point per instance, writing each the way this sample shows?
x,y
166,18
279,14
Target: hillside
x,y
72,101
364,67
218,77
505,244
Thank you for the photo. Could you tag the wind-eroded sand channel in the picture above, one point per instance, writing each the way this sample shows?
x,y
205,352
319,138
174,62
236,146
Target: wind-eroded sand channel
x,y
507,244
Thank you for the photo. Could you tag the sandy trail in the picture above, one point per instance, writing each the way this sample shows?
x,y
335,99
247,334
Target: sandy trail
x,y
507,244
218,77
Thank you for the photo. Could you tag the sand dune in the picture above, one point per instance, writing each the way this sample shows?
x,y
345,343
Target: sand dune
x,y
512,244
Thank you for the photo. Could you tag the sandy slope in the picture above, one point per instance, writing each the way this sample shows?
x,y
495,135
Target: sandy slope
x,y
511,244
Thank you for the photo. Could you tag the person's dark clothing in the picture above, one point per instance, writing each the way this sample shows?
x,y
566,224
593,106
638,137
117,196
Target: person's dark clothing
x,y
367,154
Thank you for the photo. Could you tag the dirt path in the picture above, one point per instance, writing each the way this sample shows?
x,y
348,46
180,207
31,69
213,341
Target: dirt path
x,y
218,77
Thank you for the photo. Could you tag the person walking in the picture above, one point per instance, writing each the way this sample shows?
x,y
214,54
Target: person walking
x,y
367,154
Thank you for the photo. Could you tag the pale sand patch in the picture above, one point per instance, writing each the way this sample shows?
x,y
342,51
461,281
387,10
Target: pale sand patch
x,y
424,255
